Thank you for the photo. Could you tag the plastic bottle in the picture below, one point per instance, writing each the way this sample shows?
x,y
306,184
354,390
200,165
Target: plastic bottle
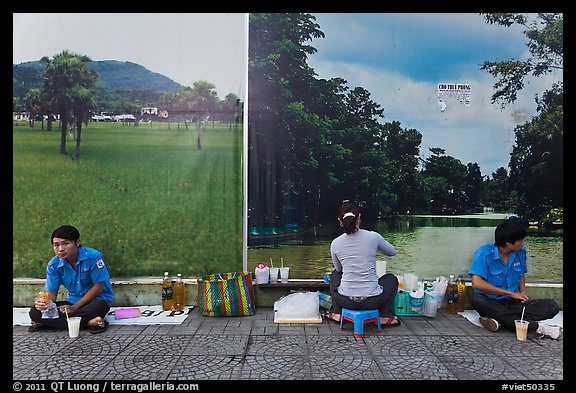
x,y
167,293
179,291
461,292
452,295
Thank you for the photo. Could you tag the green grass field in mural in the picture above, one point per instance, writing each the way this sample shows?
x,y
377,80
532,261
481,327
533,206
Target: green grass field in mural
x,y
144,196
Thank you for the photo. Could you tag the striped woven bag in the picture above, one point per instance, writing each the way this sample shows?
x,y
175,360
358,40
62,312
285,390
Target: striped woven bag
x,y
226,294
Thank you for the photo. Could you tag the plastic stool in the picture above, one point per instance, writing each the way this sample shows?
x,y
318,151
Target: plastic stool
x,y
359,318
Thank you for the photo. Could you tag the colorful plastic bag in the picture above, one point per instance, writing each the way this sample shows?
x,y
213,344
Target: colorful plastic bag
x,y
226,295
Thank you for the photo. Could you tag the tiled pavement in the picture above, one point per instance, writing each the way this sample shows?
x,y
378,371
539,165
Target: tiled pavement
x,y
447,347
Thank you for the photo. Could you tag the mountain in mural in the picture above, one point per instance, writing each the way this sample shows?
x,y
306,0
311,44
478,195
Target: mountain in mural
x,y
113,75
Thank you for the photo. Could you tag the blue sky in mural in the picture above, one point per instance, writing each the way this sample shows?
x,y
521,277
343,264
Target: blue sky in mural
x,y
401,58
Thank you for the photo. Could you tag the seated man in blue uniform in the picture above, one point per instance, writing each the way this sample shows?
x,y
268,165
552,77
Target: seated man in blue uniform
x,y
500,285
82,272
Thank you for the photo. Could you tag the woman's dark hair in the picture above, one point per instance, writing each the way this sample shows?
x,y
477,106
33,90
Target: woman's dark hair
x,y
348,223
509,232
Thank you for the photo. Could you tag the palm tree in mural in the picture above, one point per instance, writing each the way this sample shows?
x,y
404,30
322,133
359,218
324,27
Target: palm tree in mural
x,y
68,84
203,99
83,100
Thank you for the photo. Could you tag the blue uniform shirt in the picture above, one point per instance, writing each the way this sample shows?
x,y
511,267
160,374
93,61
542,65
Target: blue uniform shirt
x,y
488,265
90,269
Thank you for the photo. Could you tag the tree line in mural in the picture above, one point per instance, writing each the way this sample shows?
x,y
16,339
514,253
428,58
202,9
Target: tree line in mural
x,y
314,141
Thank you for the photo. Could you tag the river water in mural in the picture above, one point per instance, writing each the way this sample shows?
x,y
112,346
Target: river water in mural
x,y
428,246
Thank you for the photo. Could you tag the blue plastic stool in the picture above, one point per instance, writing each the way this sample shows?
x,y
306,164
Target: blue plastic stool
x,y
359,318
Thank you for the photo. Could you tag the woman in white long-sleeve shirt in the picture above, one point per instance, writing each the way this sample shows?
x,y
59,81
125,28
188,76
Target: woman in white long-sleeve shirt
x,y
354,283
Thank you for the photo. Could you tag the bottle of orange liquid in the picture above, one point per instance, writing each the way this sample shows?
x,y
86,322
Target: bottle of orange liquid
x,y
452,295
179,292
167,295
401,281
461,292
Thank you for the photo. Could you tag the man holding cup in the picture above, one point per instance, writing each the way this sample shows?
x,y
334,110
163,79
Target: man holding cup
x,y
81,270
500,286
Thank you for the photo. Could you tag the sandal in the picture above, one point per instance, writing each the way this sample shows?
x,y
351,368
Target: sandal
x,y
388,324
98,329
330,316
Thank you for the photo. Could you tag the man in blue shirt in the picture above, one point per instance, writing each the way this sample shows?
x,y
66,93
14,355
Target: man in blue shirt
x,y
81,270
500,286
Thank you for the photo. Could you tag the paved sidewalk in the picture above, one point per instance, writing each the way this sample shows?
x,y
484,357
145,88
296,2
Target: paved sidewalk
x,y
255,348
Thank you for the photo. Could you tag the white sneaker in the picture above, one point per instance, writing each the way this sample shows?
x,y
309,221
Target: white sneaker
x,y
554,332
489,323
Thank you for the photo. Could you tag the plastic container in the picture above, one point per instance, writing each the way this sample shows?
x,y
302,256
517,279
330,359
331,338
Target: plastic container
x,y
284,273
274,271
410,281
402,304
325,300
74,326
416,303
262,274
381,267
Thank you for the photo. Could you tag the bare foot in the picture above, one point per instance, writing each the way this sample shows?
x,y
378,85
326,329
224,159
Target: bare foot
x,y
35,326
97,322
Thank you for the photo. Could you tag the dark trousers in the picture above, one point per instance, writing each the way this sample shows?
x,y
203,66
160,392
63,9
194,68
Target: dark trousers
x,y
97,307
384,302
505,311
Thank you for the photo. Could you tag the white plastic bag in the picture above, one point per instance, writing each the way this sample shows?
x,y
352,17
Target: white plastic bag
x,y
51,312
298,306
430,304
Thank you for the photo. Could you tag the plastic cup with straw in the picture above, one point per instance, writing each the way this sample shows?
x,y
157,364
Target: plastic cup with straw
x,y
73,329
273,273
284,271
521,327
67,319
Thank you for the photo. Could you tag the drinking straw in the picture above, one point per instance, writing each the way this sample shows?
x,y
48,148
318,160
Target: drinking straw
x,y
271,264
282,262
522,317
66,311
